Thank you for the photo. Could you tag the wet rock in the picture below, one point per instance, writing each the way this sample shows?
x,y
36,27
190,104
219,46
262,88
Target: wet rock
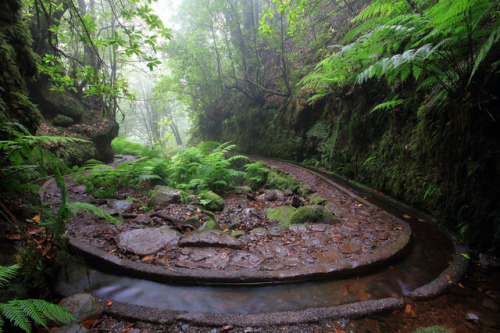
x,y
146,241
209,225
297,201
142,219
83,307
350,248
316,199
273,195
274,250
316,240
312,213
120,205
317,227
326,256
281,213
472,317
260,232
246,260
299,228
193,221
110,211
163,195
288,192
272,266
210,239
74,328
292,262
79,189
490,304
216,203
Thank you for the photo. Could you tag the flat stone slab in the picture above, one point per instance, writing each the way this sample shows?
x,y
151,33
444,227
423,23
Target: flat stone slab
x,y
210,239
146,241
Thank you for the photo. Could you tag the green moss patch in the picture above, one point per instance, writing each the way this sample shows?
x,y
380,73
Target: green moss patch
x,y
282,213
312,213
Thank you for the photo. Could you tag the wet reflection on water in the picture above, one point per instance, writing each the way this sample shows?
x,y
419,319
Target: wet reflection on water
x,y
430,255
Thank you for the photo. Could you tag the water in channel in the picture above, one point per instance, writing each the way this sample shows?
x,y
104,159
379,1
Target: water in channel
x,y
431,253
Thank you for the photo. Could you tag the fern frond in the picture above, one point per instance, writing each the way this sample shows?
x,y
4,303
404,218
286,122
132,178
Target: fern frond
x,y
82,207
53,312
7,274
389,104
15,314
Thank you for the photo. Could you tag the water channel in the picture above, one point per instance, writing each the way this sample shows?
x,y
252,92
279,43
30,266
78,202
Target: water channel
x,y
430,254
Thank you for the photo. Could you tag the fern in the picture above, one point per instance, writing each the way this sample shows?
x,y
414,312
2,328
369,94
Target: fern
x,y
7,274
388,105
20,312
81,207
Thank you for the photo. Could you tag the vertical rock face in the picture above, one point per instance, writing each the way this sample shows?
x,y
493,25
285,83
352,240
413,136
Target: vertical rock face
x,y
17,61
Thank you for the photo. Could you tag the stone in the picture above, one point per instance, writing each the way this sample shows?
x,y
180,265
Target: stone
x,y
146,241
209,225
210,239
312,213
120,205
350,248
316,240
193,221
274,250
288,192
472,317
326,256
215,202
281,213
260,232
142,219
273,195
246,260
163,195
83,307
292,262
62,121
74,328
316,199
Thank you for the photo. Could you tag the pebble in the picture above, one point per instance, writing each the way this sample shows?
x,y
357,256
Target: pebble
x,y
472,317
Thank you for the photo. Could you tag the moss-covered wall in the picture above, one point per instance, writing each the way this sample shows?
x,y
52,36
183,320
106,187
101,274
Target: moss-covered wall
x,y
435,153
17,61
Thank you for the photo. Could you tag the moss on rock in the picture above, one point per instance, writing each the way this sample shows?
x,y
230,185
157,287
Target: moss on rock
x,y
63,121
281,213
312,213
215,202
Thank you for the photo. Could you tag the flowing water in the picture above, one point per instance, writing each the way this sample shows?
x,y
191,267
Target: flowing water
x,y
431,253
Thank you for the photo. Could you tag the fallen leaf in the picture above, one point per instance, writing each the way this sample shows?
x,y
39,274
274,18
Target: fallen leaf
x,y
36,219
489,292
88,323
480,289
407,308
421,220
406,216
396,311
146,258
336,236
448,277
47,248
460,285
110,303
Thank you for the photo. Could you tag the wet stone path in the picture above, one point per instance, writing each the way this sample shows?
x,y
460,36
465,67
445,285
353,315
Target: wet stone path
x,y
242,239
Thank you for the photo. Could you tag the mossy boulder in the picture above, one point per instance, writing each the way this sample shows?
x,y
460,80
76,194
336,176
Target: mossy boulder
x,y
63,121
75,153
213,201
242,189
210,225
193,221
164,195
312,213
281,213
316,199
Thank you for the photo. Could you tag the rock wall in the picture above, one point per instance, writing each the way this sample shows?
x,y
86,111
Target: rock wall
x,y
437,154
